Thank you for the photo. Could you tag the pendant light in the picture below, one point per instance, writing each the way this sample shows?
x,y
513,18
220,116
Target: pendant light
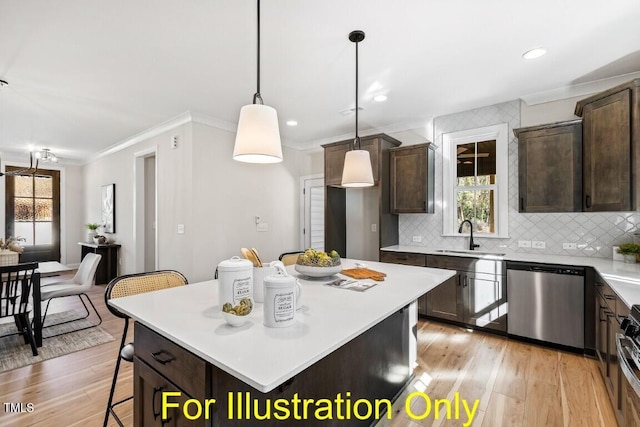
x,y
357,170
31,170
258,136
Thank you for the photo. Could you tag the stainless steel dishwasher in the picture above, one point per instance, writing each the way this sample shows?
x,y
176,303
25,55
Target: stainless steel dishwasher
x,y
546,303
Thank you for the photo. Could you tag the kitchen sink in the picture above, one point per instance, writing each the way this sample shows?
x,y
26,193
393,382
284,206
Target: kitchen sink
x,y
467,252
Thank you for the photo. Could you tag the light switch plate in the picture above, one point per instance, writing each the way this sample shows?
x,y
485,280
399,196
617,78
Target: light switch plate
x,y
417,239
180,228
569,246
374,228
262,226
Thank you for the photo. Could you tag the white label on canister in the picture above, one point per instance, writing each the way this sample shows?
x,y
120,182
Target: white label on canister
x,y
283,307
241,289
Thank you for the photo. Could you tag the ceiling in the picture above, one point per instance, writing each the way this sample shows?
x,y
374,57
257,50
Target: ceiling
x,y
86,75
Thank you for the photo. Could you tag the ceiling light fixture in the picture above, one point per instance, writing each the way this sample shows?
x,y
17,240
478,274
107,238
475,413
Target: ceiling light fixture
x,y
31,170
534,53
46,155
258,136
380,98
292,123
357,170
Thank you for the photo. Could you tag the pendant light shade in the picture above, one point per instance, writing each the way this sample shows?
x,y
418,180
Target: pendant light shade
x,y
357,170
258,135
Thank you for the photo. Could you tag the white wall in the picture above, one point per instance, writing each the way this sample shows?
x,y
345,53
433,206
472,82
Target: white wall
x,y
202,188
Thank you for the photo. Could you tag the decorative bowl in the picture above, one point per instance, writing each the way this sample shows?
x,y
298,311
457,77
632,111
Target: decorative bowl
x,y
234,320
314,271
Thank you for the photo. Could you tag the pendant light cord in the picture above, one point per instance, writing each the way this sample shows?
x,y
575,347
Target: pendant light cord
x,y
357,137
257,96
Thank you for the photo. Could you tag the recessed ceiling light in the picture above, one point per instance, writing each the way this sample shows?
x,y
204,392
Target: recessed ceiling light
x,y
380,98
292,123
534,53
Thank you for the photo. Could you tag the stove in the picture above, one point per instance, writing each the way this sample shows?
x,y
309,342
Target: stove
x,y
631,329
628,352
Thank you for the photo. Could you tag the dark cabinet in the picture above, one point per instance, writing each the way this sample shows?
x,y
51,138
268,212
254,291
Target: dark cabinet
x,y
108,266
476,296
611,149
334,159
412,179
445,301
161,366
149,387
407,258
608,305
550,167
370,218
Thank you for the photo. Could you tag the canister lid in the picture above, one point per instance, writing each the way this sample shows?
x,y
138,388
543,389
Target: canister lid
x,y
279,280
235,264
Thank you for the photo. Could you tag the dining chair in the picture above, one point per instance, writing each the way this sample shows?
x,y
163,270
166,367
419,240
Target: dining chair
x,y
127,285
77,286
16,283
289,258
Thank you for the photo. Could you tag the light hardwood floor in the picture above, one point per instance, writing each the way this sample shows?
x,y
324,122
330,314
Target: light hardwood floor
x,y
517,384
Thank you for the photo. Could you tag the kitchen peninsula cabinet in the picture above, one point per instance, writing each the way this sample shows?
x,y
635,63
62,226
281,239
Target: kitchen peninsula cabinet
x,y
360,216
406,258
611,149
183,343
412,178
550,167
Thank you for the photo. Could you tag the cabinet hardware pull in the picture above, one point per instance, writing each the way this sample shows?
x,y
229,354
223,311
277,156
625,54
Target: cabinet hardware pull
x,y
609,297
162,360
587,201
156,390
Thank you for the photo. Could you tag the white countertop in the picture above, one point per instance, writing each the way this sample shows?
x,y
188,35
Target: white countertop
x,y
623,278
266,357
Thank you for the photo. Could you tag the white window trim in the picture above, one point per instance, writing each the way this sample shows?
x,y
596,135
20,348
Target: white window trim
x,y
449,143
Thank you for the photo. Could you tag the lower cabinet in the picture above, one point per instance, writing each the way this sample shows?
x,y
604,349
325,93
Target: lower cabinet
x,y
475,296
162,366
610,311
149,387
407,258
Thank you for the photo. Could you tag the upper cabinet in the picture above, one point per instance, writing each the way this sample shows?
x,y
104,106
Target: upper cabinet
x,y
412,178
334,157
550,167
611,149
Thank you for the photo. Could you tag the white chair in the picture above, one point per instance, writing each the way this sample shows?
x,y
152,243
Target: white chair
x,y
78,286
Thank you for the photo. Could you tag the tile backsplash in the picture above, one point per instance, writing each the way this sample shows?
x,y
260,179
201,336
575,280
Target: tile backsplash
x,y
593,233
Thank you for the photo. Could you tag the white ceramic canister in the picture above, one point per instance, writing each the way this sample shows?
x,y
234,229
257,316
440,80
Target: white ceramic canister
x,y
280,292
235,280
259,274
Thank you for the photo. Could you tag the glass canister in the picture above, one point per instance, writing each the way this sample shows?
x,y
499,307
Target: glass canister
x,y
235,280
280,292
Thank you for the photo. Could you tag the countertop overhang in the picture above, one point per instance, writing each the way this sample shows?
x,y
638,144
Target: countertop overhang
x,y
265,357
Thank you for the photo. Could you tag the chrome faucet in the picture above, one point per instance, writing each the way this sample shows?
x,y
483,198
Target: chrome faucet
x,y
472,245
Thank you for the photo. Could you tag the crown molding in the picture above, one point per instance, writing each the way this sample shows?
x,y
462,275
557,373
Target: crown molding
x,y
582,89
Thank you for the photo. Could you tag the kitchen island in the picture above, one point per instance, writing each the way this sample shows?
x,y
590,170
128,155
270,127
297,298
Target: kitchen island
x,y
345,347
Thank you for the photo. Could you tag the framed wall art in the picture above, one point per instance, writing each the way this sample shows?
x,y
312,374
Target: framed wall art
x,y
109,208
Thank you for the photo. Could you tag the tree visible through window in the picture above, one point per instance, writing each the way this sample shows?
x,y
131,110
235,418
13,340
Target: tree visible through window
x,y
475,186
33,213
475,181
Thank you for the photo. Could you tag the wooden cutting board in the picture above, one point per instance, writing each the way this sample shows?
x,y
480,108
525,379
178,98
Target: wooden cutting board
x,y
364,273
